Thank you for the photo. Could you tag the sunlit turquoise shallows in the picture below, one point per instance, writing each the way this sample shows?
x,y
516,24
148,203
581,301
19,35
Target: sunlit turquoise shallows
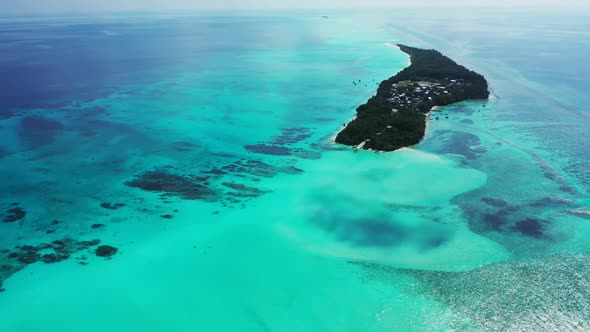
x,y
483,226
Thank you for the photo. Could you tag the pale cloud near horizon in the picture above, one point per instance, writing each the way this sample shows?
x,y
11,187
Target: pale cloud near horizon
x,y
40,6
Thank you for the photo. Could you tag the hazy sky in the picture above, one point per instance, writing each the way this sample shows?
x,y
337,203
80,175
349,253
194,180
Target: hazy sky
x,y
56,6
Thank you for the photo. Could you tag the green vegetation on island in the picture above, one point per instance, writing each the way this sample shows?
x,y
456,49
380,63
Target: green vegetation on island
x,y
395,117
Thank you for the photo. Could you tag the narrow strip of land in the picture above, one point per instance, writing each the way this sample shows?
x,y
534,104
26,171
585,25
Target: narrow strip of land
x,y
396,116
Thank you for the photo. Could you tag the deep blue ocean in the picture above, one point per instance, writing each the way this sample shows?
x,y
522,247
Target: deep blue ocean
x,y
176,172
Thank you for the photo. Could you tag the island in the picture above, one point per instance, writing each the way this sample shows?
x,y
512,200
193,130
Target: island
x,y
395,117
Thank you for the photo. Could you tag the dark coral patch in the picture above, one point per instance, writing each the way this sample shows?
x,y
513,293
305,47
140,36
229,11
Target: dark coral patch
x,y
105,251
465,144
291,136
3,152
250,170
215,171
184,146
273,150
530,227
28,257
278,146
87,134
497,202
495,221
324,119
551,201
40,123
259,169
568,189
307,154
162,181
14,214
6,114
37,131
54,258
243,190
60,250
112,206
551,175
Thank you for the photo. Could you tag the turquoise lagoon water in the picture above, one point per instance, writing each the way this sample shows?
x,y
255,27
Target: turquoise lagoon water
x,y
266,225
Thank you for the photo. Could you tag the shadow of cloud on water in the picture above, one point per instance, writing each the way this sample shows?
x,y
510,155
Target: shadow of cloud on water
x,y
377,231
376,226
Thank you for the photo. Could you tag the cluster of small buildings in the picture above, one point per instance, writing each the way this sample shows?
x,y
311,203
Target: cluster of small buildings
x,y
411,94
